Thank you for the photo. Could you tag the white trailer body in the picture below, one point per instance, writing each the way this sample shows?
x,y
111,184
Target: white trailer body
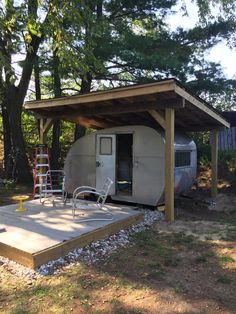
x,y
134,158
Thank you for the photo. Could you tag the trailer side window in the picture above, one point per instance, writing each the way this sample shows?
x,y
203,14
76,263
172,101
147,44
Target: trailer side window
x,y
182,159
105,146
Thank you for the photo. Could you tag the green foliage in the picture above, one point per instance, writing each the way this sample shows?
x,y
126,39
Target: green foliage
x,y
224,259
202,141
31,134
227,159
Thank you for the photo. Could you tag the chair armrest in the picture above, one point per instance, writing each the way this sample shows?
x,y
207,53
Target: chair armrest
x,y
84,192
83,188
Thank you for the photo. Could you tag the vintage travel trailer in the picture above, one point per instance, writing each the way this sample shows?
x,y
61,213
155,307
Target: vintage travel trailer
x,y
134,158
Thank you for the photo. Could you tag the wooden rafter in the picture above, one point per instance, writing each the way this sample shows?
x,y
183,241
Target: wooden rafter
x,y
200,105
158,117
87,111
45,125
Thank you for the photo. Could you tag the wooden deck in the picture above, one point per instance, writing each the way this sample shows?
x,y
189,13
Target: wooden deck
x,y
43,233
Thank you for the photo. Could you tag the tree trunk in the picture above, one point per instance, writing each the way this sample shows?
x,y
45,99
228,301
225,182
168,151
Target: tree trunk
x,y
55,148
37,85
8,158
14,106
37,79
85,88
79,132
7,144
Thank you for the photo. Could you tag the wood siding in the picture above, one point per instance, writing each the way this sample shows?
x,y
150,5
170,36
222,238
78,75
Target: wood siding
x,y
227,139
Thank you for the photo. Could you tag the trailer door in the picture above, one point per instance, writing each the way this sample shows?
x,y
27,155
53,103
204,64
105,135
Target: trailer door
x,y
105,160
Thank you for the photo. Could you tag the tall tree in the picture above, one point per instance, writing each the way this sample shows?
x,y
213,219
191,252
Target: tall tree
x,y
12,25
55,148
23,29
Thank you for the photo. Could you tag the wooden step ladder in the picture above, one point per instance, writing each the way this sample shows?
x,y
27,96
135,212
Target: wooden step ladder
x,y
41,168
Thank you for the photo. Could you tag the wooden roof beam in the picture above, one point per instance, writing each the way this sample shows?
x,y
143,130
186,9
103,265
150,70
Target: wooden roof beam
x,y
89,123
114,110
130,91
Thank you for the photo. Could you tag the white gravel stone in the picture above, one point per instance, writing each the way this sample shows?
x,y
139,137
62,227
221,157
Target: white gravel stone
x,y
90,254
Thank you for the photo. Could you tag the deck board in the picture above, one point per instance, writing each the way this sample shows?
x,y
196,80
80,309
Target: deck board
x,y
46,232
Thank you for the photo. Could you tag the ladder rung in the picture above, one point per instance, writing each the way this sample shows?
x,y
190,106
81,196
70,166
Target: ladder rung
x,y
51,191
42,165
40,185
41,175
42,156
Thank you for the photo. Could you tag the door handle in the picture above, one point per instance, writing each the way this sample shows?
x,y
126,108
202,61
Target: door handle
x,y
98,164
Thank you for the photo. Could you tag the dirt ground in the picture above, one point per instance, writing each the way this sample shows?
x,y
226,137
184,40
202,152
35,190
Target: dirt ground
x,y
187,267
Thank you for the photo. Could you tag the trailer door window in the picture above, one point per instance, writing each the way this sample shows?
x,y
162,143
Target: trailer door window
x,y
182,159
105,146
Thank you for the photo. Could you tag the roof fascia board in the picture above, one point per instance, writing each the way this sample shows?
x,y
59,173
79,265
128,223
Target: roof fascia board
x,y
200,105
125,92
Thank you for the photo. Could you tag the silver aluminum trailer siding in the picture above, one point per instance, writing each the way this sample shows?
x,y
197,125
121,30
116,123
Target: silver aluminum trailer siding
x,y
134,158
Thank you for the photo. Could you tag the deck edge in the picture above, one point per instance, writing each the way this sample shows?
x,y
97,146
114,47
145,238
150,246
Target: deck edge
x,y
63,248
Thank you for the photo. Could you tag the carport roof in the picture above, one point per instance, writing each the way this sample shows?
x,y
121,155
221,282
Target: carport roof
x,y
133,105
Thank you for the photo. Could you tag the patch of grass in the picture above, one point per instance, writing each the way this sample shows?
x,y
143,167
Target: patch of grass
x,y
144,239
229,218
151,243
121,274
224,280
86,304
40,291
179,289
154,264
224,259
125,283
183,239
20,310
154,274
230,235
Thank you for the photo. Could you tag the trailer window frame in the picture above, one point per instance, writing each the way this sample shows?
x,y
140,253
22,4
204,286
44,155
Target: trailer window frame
x,y
182,158
106,151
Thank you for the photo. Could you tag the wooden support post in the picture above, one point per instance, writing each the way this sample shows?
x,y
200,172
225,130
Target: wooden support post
x,y
169,163
214,162
45,125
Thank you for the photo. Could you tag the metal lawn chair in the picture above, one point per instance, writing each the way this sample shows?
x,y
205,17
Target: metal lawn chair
x,y
101,199
54,184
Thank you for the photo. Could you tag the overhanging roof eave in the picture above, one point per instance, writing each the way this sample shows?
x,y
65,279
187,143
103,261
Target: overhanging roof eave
x,y
169,87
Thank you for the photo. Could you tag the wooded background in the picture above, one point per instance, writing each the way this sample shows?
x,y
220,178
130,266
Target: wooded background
x,y
56,48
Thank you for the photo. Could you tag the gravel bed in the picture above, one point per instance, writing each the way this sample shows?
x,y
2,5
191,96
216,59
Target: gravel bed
x,y
90,254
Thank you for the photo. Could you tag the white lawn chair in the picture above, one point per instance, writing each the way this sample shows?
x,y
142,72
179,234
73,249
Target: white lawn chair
x,y
101,199
53,185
